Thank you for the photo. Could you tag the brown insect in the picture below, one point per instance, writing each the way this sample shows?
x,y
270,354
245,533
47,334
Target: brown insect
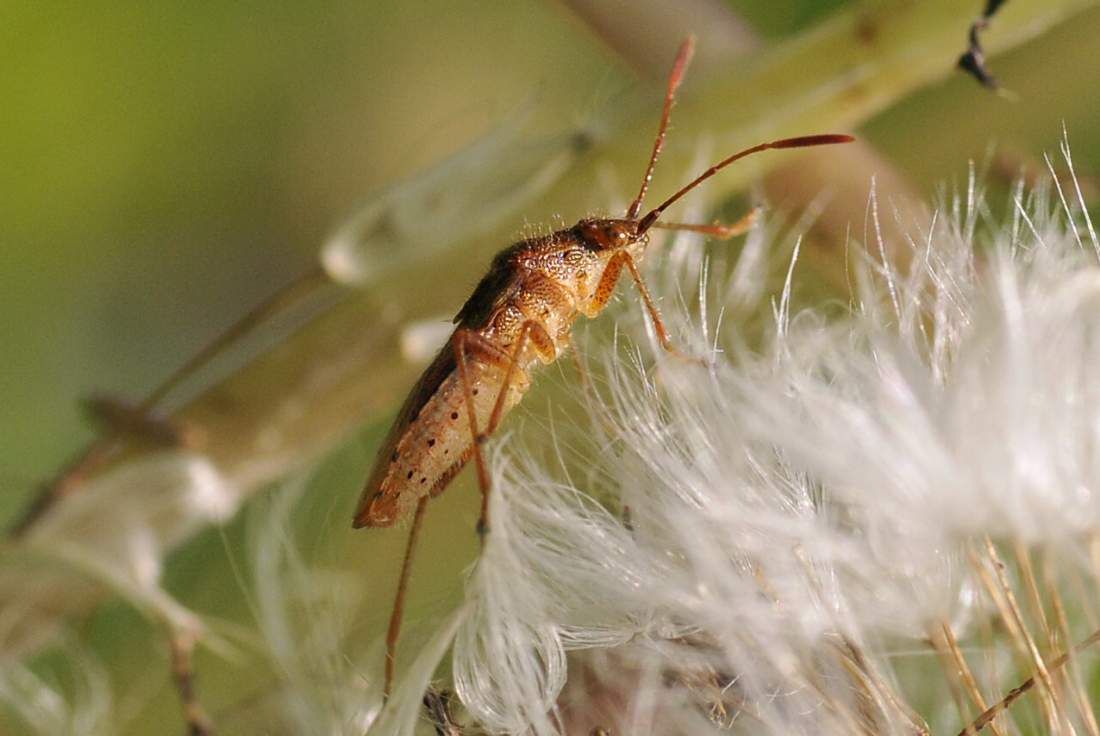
x,y
519,315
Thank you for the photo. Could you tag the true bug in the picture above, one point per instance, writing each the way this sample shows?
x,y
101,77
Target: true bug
x,y
521,313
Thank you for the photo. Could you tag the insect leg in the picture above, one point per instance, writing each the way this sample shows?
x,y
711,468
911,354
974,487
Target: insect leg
x,y
658,325
530,330
182,646
536,333
718,230
461,337
398,612
606,288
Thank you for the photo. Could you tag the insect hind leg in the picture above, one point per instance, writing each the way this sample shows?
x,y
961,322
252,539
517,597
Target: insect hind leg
x,y
466,342
397,613
182,647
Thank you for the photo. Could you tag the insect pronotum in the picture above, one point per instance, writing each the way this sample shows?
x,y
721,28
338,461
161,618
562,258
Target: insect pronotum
x,y
520,314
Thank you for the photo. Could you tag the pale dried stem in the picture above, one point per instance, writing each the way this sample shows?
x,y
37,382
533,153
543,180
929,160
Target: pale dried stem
x,y
1072,671
1000,590
864,720
1082,596
962,670
853,722
1015,693
865,692
883,689
935,638
1027,573
112,441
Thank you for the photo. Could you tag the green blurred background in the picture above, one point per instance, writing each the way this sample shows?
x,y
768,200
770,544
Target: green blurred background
x,y
165,166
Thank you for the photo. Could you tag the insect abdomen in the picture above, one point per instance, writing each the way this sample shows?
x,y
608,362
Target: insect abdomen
x,y
427,450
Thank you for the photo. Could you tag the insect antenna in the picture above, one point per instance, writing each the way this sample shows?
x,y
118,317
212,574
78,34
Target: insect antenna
x,y
801,142
683,58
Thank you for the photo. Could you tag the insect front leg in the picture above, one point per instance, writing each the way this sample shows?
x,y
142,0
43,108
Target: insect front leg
x,y
606,288
463,341
719,230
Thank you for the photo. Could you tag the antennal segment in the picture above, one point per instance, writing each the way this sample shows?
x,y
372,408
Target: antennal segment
x,y
683,58
801,142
